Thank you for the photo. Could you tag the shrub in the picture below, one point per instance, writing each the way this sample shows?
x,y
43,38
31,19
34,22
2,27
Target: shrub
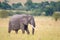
x,y
20,12
11,13
36,12
3,14
56,16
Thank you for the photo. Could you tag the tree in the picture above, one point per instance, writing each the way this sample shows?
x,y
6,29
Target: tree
x,y
0,5
6,1
43,4
49,11
53,5
28,4
16,5
58,6
5,5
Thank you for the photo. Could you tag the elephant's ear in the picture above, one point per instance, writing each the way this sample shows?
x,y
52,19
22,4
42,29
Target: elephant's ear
x,y
32,22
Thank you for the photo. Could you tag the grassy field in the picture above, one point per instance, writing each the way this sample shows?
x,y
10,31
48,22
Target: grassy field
x,y
46,29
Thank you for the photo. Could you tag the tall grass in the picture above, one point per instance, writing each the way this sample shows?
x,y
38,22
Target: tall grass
x,y
46,29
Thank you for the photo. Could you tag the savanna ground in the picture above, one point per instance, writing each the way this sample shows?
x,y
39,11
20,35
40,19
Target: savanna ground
x,y
46,29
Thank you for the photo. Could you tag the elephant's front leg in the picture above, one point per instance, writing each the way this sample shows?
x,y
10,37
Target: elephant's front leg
x,y
23,31
16,30
26,28
33,31
22,28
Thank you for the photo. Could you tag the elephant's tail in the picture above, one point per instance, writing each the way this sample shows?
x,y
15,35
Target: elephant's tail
x,y
9,28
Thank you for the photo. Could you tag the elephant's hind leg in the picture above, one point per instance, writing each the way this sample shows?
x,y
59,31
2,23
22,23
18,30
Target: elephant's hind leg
x,y
9,31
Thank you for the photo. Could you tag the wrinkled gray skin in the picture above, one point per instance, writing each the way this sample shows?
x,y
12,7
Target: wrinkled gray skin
x,y
21,22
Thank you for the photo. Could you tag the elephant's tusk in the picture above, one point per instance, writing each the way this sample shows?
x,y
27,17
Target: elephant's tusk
x,y
33,27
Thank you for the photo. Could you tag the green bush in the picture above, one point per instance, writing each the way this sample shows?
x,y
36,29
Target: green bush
x,y
17,12
36,12
20,12
11,13
3,14
56,16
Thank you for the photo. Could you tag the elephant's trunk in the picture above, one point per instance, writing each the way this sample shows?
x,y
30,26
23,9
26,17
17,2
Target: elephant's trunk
x,y
33,25
33,31
33,28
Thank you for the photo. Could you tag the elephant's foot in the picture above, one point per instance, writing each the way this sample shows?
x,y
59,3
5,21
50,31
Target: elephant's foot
x,y
16,31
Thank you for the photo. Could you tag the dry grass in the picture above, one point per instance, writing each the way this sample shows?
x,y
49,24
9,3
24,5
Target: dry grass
x,y
46,29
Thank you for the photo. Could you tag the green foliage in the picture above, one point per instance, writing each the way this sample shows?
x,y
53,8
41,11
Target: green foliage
x,y
16,6
49,11
11,13
5,5
56,16
3,14
0,5
36,12
58,6
53,5
37,8
20,12
28,5
6,1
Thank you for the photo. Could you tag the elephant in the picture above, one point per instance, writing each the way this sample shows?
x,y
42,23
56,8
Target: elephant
x,y
21,21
